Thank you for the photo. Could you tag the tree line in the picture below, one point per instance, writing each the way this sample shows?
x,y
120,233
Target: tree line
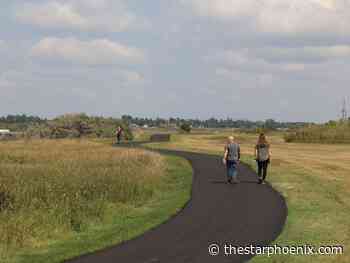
x,y
213,123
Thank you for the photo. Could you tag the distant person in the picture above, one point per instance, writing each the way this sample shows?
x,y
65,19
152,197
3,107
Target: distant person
x,y
231,159
119,134
262,157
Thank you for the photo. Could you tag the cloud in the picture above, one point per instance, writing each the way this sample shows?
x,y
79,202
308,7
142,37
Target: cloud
x,y
242,61
86,15
276,16
323,64
280,58
247,79
69,89
236,65
307,54
132,77
7,81
3,45
293,67
94,52
4,83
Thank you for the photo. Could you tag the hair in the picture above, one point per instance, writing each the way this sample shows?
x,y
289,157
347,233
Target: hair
x,y
262,139
230,139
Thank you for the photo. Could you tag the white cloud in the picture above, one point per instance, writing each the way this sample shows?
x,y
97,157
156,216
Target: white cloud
x,y
88,15
312,54
4,83
2,45
276,16
290,59
132,77
324,64
293,67
95,52
247,79
339,51
237,62
6,80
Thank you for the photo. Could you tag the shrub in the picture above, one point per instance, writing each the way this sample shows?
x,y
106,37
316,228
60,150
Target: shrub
x,y
77,126
185,127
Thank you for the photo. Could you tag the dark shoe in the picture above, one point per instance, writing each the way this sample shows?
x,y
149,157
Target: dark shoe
x,y
260,181
229,181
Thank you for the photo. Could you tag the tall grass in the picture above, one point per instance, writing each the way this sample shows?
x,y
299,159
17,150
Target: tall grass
x,y
50,189
328,133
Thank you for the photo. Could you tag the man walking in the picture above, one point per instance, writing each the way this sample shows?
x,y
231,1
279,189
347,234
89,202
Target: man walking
x,y
119,134
231,159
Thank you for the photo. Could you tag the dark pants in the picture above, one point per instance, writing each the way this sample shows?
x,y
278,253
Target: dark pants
x,y
262,168
119,137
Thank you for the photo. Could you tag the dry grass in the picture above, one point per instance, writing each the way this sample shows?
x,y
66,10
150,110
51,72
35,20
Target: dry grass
x,y
331,161
332,132
52,189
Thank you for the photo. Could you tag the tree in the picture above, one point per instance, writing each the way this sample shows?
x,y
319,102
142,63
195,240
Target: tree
x,y
186,127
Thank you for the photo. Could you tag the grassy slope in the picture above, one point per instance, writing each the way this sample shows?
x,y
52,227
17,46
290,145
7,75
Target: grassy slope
x,y
313,178
123,222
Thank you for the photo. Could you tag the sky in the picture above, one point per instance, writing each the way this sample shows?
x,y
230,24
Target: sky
x,y
247,59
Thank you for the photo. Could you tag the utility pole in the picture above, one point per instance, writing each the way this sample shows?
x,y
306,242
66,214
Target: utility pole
x,y
344,111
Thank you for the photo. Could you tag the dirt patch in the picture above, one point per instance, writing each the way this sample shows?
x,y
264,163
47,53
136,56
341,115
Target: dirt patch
x,y
278,162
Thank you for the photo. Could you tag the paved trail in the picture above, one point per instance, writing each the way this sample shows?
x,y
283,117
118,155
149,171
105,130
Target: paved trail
x,y
242,214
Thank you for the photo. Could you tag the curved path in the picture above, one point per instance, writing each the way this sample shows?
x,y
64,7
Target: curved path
x,y
243,214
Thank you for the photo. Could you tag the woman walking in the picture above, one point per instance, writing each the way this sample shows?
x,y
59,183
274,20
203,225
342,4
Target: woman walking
x,y
262,157
231,158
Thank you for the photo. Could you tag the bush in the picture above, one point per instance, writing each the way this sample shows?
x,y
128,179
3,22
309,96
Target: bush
x,y
77,126
185,127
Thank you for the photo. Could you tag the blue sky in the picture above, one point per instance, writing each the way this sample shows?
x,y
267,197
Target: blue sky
x,y
287,60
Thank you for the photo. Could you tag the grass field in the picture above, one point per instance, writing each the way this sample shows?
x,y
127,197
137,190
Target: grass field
x,y
60,199
331,132
314,178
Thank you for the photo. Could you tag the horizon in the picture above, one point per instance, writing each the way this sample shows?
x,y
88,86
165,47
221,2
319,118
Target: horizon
x,y
162,118
197,59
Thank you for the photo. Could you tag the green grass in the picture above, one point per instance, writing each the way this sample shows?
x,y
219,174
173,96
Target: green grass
x,y
125,217
316,216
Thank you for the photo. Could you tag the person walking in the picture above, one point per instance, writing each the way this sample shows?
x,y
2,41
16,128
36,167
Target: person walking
x,y
262,156
231,159
119,134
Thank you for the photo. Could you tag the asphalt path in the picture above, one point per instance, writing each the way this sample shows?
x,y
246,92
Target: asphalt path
x,y
245,214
